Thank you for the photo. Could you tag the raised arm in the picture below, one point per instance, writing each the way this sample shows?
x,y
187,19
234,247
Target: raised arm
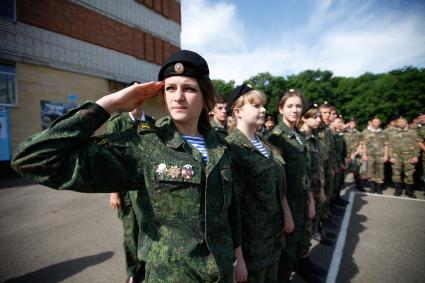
x,y
66,156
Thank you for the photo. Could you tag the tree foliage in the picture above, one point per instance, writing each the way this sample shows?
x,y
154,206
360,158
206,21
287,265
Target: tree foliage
x,y
398,92
223,88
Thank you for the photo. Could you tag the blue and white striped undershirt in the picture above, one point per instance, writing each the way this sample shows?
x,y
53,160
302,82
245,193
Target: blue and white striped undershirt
x,y
257,143
297,137
199,144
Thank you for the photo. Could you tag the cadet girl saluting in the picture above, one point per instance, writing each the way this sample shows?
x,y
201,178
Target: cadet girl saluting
x,y
182,170
261,190
293,149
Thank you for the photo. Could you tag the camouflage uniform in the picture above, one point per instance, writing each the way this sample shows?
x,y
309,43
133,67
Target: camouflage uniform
x,y
189,210
403,147
390,131
340,155
117,123
375,142
421,134
262,191
352,139
313,157
296,169
326,149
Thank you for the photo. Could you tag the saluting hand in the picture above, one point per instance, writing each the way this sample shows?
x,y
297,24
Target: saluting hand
x,y
129,98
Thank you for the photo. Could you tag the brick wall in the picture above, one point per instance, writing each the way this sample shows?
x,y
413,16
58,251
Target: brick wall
x,y
167,8
65,17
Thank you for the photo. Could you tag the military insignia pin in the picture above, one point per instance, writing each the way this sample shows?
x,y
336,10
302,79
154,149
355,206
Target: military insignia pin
x,y
174,171
187,172
161,170
178,68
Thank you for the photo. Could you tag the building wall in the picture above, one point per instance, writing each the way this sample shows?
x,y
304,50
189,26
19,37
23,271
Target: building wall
x,y
36,83
83,48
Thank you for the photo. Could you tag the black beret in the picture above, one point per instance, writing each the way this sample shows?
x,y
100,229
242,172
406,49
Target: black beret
x,y
271,118
374,117
394,117
308,107
184,63
236,93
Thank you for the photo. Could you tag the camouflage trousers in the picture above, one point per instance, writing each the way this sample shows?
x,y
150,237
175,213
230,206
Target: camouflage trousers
x,y
338,181
375,169
403,168
292,253
327,180
264,275
305,248
330,180
131,234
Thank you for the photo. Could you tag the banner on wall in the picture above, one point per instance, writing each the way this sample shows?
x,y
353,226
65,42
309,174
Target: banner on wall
x,y
51,110
5,150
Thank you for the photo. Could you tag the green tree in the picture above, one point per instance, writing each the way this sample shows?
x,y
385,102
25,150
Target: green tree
x,y
223,88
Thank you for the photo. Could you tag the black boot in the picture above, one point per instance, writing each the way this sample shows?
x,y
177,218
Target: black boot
x,y
307,264
305,271
365,183
372,187
398,189
409,191
378,189
359,184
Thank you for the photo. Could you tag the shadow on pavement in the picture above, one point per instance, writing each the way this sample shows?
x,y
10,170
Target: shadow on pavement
x,y
9,178
60,271
348,267
322,255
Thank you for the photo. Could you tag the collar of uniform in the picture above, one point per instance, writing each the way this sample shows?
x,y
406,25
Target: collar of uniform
x,y
307,137
239,138
286,130
172,137
215,149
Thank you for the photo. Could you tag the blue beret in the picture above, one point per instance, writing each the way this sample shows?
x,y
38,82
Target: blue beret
x,y
184,63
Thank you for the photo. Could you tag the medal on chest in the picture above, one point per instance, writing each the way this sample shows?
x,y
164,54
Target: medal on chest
x,y
187,172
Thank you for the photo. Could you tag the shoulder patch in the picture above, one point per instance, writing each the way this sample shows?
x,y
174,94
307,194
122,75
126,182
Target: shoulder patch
x,y
277,131
145,127
100,140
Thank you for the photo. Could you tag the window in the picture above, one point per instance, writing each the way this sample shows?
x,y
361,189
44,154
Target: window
x,y
7,85
7,9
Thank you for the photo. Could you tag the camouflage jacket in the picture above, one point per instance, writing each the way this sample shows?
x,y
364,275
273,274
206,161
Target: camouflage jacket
x,y
403,143
340,149
296,169
261,195
352,140
374,141
189,208
421,132
313,156
326,144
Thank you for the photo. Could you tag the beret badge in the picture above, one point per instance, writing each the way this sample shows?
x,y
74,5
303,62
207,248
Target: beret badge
x,y
178,68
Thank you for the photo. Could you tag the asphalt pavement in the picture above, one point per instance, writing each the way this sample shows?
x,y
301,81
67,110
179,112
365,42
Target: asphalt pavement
x,y
51,236
58,236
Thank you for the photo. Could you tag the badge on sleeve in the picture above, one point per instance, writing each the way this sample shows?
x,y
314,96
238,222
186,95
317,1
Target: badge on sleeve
x,y
160,171
187,172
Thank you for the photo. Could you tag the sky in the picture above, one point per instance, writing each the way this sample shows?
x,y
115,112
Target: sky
x,y
242,38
